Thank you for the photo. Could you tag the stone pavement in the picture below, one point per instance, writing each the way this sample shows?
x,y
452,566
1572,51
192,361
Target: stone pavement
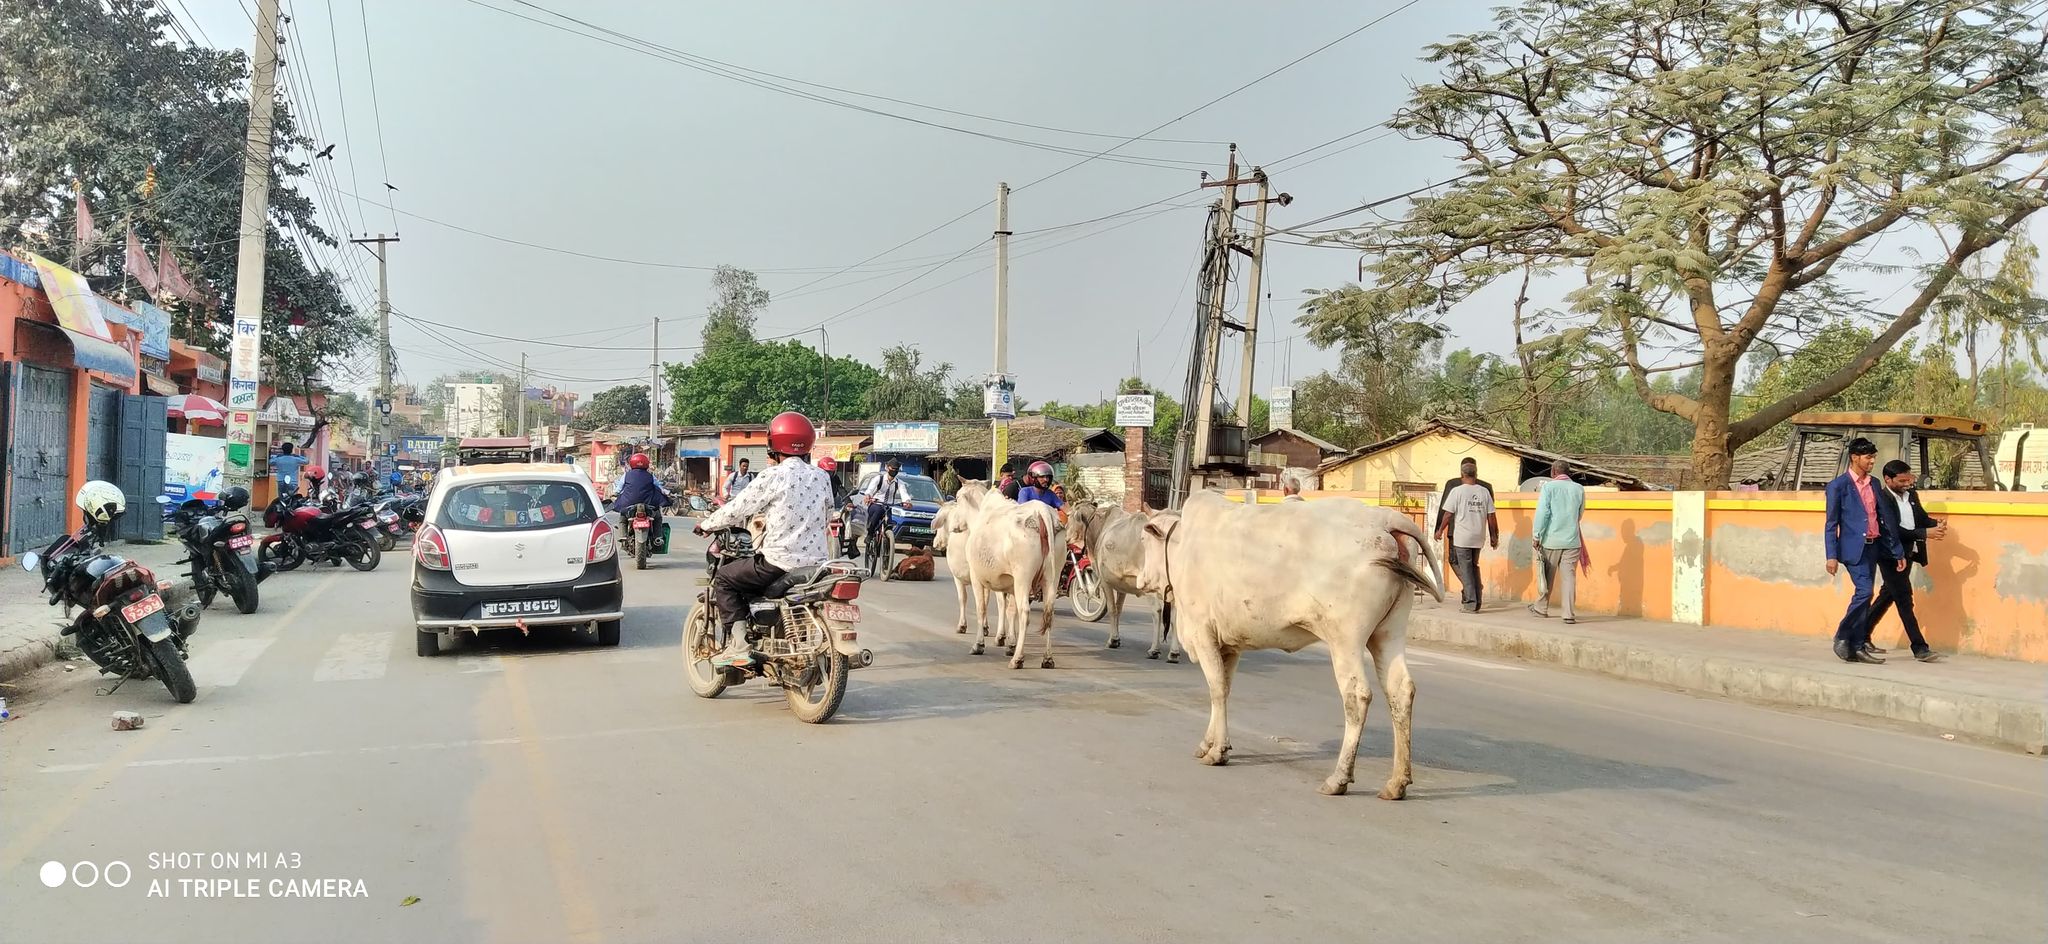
x,y
29,626
1993,700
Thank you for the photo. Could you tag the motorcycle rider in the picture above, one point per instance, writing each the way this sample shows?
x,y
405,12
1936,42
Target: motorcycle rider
x,y
1038,486
795,498
886,489
638,487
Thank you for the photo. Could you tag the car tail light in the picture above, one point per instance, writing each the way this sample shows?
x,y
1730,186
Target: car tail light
x,y
431,550
602,544
846,590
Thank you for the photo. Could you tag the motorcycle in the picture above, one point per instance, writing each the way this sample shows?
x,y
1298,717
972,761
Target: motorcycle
x,y
843,533
644,533
392,524
124,626
221,549
307,534
802,628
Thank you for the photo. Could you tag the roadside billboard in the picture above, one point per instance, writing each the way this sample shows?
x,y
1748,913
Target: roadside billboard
x,y
192,466
906,438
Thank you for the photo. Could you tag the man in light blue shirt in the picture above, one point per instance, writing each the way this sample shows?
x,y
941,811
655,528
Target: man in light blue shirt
x,y
1558,509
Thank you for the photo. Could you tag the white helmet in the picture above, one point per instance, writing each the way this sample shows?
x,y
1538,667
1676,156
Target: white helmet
x,y
101,501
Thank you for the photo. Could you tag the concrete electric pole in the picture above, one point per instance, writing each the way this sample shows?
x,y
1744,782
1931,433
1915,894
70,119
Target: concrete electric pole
x,y
383,394
999,427
522,395
246,347
654,389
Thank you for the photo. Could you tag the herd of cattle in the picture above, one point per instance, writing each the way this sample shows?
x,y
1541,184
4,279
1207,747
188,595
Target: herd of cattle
x,y
1225,578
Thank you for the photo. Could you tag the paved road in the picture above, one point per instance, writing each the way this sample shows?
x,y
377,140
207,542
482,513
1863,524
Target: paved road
x,y
547,790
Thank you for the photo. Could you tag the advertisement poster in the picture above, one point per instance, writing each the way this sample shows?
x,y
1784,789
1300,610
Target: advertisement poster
x,y
192,466
910,438
999,398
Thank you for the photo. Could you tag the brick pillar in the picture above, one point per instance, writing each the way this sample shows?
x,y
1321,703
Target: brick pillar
x,y
1134,468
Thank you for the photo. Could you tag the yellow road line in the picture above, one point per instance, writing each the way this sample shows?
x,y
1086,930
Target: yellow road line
x,y
579,912
57,814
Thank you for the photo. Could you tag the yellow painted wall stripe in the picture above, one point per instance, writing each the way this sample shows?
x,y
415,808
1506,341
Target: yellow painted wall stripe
x,y
1934,506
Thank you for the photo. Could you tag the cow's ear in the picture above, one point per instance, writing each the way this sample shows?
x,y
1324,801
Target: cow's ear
x,y
1152,527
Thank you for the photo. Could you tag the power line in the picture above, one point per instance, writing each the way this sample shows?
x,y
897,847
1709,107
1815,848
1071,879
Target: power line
x,y
377,110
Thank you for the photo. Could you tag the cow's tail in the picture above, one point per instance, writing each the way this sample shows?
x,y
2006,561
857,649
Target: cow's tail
x,y
1418,565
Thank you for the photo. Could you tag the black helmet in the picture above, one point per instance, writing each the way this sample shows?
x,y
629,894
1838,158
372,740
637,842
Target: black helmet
x,y
235,498
893,465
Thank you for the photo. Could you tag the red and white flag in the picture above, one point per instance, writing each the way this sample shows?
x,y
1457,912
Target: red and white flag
x,y
138,265
173,280
86,231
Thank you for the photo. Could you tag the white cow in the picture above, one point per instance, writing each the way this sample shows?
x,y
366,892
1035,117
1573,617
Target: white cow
x,y
1283,576
1008,548
1115,542
949,531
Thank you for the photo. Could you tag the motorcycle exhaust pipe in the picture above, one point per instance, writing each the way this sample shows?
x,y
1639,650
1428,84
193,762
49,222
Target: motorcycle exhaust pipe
x,y
862,661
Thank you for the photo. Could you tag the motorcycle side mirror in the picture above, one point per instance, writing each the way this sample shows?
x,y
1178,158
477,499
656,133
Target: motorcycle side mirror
x,y
30,561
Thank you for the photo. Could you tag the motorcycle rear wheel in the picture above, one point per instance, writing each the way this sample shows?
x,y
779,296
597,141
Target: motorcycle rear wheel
x,y
242,588
362,554
641,546
817,703
171,668
1087,598
385,541
700,642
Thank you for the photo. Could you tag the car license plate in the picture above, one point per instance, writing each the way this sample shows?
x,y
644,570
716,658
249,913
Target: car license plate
x,y
240,542
523,608
842,612
366,525
134,612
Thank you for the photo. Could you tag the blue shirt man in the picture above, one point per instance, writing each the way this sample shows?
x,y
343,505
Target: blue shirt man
x,y
1032,493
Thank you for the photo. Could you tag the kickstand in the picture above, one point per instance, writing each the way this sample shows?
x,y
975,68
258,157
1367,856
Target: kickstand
x,y
118,682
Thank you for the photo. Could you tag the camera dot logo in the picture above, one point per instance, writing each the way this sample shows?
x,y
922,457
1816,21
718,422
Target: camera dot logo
x,y
85,874
53,874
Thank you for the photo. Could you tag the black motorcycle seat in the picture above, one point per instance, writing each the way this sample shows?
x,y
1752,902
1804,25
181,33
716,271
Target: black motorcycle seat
x,y
789,581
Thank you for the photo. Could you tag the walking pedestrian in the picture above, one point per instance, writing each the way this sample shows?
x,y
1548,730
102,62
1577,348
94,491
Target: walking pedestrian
x,y
1901,511
1469,519
738,480
1854,536
1466,466
1559,546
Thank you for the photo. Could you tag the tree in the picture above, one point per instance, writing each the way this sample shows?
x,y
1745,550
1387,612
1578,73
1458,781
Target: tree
x,y
908,391
95,92
737,300
1710,169
751,381
2001,303
618,406
348,406
1166,410
1890,383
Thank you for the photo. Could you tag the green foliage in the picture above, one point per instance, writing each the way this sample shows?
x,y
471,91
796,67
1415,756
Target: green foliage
x,y
97,92
1166,410
737,300
1710,171
616,406
1890,384
751,381
350,407
909,391
949,482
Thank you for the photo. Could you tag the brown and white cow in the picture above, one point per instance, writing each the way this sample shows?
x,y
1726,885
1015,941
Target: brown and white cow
x,y
1115,542
1283,576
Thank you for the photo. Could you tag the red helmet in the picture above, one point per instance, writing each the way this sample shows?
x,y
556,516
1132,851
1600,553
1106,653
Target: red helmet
x,y
828,463
791,434
637,460
315,472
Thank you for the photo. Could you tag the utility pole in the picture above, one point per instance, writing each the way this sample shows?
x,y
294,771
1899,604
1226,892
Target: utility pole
x,y
1212,327
654,389
246,346
1253,292
522,395
825,410
999,427
383,394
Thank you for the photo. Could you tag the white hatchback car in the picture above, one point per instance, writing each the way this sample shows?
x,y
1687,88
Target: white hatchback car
x,y
512,546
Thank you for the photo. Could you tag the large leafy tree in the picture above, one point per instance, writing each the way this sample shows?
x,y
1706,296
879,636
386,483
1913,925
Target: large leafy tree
x,y
737,301
907,390
616,406
749,381
93,91
1711,171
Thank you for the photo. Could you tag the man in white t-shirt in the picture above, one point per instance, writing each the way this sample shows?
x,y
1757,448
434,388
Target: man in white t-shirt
x,y
1468,519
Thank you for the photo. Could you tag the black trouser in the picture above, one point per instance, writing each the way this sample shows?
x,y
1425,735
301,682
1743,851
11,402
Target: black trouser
x,y
740,582
1898,588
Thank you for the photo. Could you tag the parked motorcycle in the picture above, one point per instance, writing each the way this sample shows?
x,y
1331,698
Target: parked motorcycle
x,y
391,522
124,624
221,548
802,633
305,533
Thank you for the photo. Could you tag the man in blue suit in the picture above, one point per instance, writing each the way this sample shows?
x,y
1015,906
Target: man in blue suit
x,y
1856,538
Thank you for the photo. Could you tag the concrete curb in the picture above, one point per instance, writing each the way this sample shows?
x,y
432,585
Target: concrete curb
x,y
2012,722
29,655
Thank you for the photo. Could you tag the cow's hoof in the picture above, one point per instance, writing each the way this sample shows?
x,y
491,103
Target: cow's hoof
x,y
962,631
1394,791
1047,664
1154,654
1173,657
1334,787
1016,663
1218,757
1116,644
977,650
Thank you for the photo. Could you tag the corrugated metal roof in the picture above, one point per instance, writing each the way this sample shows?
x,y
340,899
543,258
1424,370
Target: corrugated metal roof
x,y
1480,434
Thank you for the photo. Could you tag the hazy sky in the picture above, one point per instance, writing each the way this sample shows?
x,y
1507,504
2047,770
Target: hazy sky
x,y
526,132
529,133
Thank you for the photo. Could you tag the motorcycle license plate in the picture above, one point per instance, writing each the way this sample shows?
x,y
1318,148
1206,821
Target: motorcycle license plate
x,y
642,524
842,612
366,525
240,542
523,608
134,612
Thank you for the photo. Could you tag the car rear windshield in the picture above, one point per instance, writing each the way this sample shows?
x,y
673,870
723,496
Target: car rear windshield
x,y
516,506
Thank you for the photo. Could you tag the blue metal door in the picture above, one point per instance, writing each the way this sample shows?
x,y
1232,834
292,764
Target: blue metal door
x,y
141,453
102,434
38,457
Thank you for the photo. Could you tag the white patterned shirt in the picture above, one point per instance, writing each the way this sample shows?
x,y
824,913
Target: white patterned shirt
x,y
796,498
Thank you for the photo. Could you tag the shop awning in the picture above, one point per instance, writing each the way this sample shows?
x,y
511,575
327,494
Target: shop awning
x,y
89,352
159,385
